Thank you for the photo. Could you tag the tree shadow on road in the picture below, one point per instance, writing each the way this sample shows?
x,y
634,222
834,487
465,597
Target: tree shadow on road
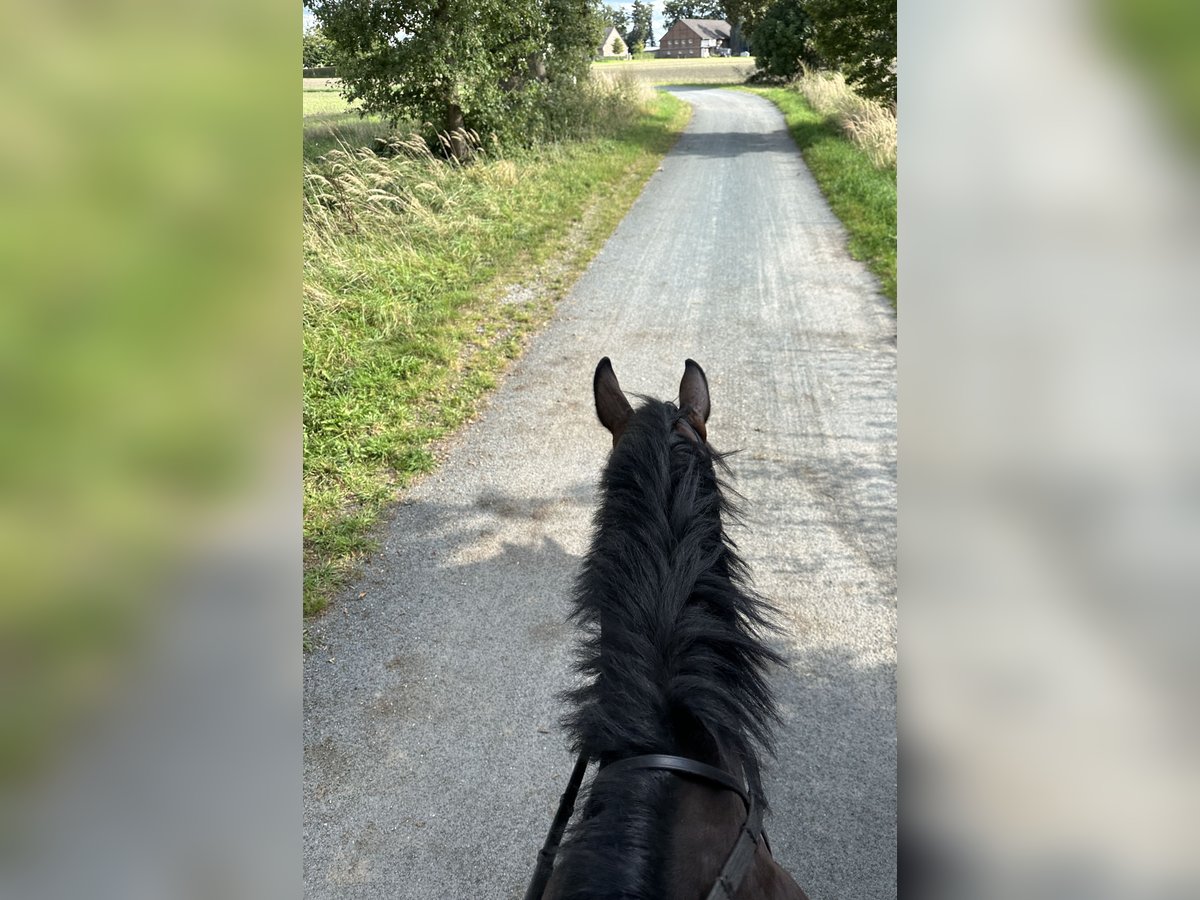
x,y
729,145
466,599
833,784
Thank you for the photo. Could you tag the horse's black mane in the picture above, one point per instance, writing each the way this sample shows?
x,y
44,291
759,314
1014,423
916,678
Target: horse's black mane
x,y
681,667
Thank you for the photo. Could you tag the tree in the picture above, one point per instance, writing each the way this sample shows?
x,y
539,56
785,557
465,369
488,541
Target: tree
x,y
458,64
745,15
859,38
783,40
618,47
641,26
617,19
317,49
674,10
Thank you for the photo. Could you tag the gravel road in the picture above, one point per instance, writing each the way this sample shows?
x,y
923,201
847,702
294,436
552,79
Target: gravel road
x,y
433,756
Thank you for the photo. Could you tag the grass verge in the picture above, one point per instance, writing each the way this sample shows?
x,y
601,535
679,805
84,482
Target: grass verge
x,y
861,195
410,312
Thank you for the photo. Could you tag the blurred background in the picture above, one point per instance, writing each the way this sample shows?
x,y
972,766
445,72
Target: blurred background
x,y
149,449
150,638
1050,448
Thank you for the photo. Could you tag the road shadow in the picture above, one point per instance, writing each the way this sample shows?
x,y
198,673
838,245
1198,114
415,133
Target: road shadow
x,y
454,675
731,145
852,496
832,786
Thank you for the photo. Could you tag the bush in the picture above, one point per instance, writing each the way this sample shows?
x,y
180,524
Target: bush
x,y
858,37
783,40
563,111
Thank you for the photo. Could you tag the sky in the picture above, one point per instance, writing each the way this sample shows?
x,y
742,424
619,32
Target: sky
x,y
659,25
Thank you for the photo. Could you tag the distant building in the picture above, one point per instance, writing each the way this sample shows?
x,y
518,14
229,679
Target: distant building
x,y
695,38
606,50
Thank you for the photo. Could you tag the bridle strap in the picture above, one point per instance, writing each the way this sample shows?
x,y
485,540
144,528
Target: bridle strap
x,y
740,858
566,806
677,764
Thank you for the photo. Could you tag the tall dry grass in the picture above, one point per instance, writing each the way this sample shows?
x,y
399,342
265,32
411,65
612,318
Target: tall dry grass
x,y
619,87
401,184
870,125
353,191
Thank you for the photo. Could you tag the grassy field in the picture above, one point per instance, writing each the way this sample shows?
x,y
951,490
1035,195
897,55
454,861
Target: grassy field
x,y
860,194
409,312
717,70
329,121
325,102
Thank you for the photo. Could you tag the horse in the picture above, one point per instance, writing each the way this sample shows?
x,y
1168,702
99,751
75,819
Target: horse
x,y
674,702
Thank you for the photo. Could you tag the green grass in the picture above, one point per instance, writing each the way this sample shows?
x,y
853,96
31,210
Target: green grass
x,y
330,121
325,102
405,321
327,132
860,195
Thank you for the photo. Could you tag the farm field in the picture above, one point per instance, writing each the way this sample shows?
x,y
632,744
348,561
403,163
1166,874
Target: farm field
x,y
718,70
330,121
324,102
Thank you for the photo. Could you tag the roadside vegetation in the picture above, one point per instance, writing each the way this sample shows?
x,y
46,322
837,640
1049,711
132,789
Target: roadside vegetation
x,y
869,124
854,37
858,180
422,277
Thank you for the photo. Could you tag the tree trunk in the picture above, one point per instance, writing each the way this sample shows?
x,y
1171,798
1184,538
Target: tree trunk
x,y
537,66
455,130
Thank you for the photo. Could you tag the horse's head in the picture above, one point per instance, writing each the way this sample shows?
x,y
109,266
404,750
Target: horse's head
x,y
615,412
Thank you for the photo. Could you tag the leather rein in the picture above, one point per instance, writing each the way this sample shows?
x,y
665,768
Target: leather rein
x,y
737,863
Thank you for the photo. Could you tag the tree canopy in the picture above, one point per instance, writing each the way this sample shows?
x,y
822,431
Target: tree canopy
x,y
746,14
317,49
458,64
783,40
859,38
673,10
641,26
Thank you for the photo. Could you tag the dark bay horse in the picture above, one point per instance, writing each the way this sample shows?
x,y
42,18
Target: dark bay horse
x,y
675,705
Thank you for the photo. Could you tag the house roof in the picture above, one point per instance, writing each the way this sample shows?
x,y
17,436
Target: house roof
x,y
713,29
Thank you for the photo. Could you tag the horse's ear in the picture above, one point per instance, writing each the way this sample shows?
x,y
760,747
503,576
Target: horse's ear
x,y
693,396
611,406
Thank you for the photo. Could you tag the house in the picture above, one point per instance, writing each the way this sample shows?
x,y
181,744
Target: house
x,y
606,51
695,38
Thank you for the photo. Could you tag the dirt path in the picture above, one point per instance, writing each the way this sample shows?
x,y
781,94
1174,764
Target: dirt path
x,y
433,758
